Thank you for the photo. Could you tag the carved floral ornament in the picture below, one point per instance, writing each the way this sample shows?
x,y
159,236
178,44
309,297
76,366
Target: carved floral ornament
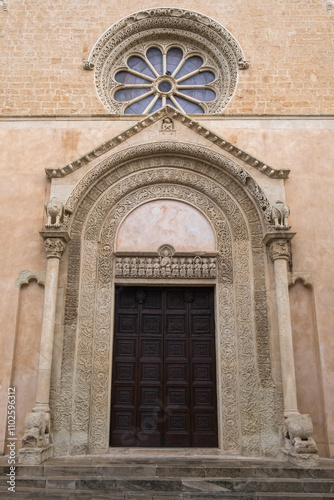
x,y
166,56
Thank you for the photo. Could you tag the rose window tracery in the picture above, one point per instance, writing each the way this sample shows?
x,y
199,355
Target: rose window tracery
x,y
165,56
158,77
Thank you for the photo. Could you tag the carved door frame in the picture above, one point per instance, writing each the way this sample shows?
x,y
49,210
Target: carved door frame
x,y
238,212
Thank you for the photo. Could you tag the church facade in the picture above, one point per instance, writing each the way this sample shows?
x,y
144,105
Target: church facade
x,y
168,282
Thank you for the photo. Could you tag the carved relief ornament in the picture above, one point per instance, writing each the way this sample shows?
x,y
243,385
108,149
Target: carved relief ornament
x,y
247,412
165,263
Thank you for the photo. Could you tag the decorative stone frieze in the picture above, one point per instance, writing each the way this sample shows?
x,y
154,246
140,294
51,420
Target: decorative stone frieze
x,y
184,157
165,263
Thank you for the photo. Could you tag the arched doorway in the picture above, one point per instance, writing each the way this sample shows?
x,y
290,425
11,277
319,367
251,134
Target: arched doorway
x,y
236,209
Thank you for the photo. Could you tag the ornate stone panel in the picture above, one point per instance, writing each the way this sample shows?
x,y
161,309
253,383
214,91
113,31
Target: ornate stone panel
x,y
242,330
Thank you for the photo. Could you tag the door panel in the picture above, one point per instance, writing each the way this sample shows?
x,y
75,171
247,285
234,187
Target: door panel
x,y
164,376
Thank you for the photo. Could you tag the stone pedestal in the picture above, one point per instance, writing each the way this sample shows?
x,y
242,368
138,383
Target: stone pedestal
x,y
36,441
300,447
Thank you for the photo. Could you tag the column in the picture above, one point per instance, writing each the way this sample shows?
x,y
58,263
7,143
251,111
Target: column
x,y
279,250
300,447
54,248
36,440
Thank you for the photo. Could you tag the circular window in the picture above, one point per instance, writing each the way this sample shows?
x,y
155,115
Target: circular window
x,y
163,76
165,56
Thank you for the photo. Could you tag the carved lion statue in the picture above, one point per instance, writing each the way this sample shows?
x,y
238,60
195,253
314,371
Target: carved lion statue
x,y
279,214
55,212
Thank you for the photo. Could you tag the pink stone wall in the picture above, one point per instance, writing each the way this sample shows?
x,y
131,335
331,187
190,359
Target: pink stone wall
x,y
304,145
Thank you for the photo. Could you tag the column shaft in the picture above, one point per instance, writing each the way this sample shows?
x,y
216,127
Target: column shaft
x,y
285,337
45,356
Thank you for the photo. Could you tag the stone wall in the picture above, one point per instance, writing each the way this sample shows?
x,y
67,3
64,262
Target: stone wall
x,y
288,43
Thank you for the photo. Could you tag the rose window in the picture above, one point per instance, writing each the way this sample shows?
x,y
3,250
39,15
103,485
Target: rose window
x,y
154,78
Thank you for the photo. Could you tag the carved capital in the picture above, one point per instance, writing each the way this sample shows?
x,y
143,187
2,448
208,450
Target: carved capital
x,y
54,247
279,244
54,242
279,249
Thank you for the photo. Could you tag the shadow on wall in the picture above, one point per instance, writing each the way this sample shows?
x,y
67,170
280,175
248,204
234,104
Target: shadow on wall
x,y
307,361
26,353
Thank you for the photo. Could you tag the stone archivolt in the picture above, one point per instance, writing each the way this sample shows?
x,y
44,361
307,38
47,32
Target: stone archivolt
x,y
181,155
166,25
250,406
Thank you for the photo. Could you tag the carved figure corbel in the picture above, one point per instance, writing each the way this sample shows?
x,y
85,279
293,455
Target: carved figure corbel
x,y
279,214
87,65
55,212
37,430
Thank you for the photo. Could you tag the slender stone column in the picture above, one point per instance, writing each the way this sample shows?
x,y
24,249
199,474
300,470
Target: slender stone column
x,y
300,447
54,249
36,441
279,249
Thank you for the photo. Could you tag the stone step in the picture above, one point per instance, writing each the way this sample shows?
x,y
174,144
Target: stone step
x,y
149,471
55,494
101,478
193,485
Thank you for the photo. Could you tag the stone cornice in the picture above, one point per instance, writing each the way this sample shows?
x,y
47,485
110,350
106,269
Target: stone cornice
x,y
188,122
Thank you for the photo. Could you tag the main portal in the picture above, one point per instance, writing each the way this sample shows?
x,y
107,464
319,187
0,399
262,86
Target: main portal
x,y
164,370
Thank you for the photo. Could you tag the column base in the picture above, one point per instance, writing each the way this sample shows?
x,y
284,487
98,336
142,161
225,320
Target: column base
x,y
35,456
300,447
304,460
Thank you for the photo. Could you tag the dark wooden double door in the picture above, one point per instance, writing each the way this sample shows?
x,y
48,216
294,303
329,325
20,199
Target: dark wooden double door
x,y
164,376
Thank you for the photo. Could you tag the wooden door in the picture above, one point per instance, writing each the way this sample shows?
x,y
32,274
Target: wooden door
x,y
164,377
